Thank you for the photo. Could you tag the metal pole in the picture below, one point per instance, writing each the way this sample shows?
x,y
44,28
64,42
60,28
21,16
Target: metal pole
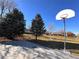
x,y
64,34
50,35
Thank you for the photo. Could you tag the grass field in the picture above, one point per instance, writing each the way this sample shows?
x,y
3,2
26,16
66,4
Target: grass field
x,y
53,38
56,42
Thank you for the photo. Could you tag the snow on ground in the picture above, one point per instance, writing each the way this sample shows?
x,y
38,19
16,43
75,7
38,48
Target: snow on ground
x,y
28,50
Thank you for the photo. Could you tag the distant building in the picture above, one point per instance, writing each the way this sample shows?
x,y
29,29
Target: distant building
x,y
27,31
55,33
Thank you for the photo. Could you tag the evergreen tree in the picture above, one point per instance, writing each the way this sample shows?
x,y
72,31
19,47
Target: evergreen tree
x,y
13,24
37,27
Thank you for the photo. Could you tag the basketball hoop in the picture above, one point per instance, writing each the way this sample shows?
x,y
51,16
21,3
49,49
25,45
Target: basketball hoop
x,y
63,15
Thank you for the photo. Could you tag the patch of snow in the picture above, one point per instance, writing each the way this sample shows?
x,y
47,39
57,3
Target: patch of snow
x,y
28,50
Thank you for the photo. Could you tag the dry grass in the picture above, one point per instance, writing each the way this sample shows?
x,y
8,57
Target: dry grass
x,y
48,38
53,38
61,39
74,52
4,39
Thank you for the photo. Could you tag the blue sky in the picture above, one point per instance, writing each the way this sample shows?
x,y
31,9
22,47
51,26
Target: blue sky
x,y
48,10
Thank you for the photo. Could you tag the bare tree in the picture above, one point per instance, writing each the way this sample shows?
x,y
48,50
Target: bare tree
x,y
6,6
11,5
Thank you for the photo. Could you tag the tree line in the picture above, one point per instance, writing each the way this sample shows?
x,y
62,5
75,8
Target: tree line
x,y
12,22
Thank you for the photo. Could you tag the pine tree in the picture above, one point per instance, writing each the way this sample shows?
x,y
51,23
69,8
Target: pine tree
x,y
13,24
37,27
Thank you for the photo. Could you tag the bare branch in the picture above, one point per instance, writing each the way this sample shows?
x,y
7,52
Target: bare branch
x,y
6,6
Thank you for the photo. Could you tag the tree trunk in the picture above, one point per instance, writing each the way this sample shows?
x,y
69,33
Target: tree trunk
x,y
2,9
36,37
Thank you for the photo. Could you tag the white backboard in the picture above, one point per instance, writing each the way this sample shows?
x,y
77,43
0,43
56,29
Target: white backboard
x,y
66,13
